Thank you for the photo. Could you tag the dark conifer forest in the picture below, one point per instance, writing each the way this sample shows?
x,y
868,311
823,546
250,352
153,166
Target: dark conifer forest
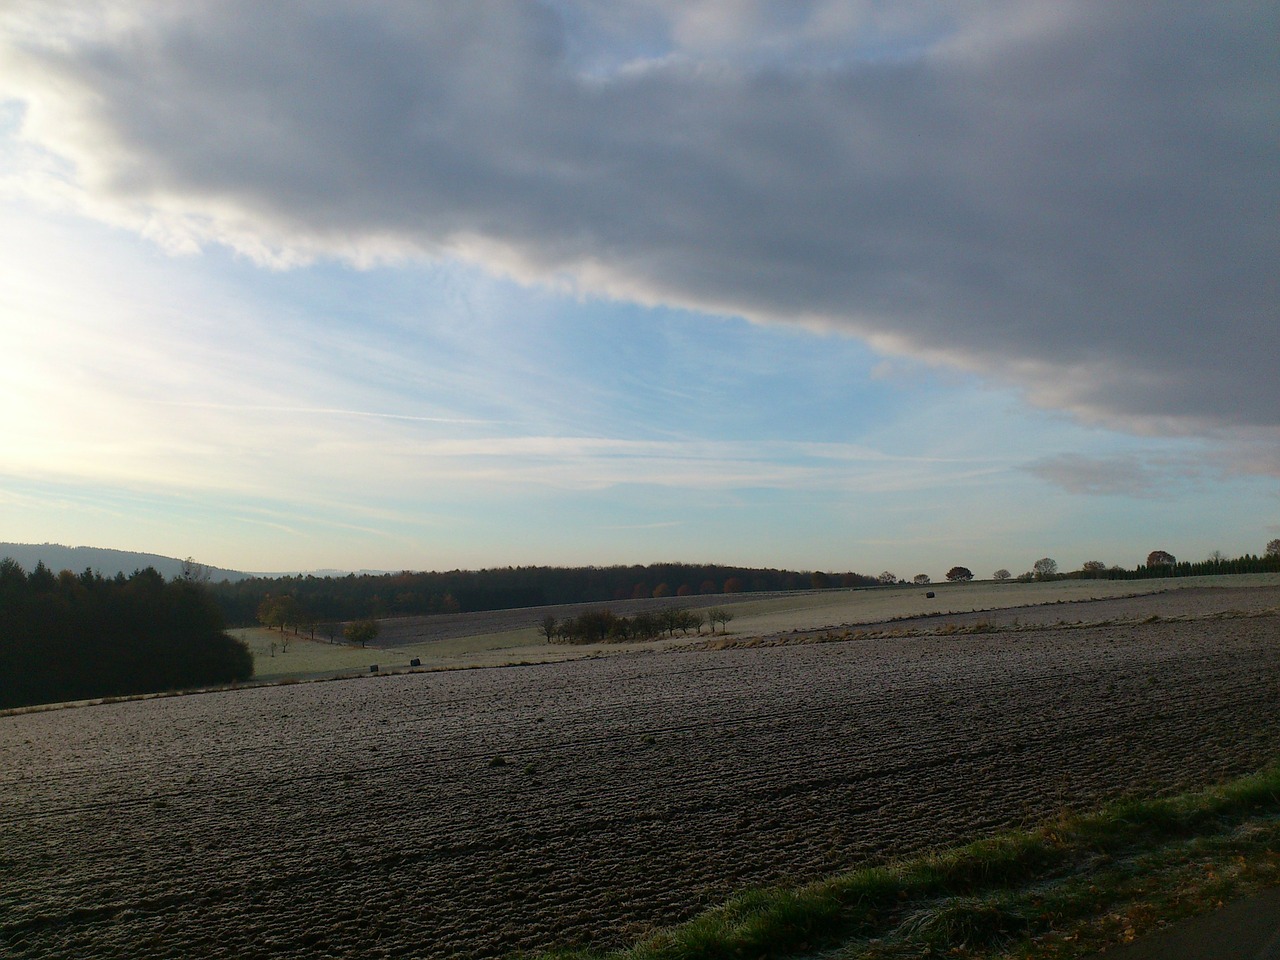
x,y
78,636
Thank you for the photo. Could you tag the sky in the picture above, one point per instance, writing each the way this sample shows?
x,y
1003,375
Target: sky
x,y
814,284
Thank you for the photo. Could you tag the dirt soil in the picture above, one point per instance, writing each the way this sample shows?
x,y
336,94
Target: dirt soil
x,y
471,813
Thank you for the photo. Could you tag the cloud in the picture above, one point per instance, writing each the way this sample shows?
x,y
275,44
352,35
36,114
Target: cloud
x,y
1080,199
1129,476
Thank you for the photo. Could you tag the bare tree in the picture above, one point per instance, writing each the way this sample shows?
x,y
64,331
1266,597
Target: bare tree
x,y
1273,548
194,572
1046,568
1002,574
549,628
719,615
920,578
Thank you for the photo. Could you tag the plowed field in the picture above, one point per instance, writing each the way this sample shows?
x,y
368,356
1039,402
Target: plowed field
x,y
476,812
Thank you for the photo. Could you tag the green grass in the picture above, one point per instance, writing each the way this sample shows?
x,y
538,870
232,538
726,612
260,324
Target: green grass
x,y
1062,890
308,659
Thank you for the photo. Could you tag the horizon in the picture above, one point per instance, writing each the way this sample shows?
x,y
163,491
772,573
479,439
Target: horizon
x,y
810,288
33,556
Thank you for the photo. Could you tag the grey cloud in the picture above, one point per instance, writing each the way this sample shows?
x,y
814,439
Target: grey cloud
x,y
1119,476
1089,209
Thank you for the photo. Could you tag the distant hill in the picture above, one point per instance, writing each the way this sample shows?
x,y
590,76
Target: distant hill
x,y
57,557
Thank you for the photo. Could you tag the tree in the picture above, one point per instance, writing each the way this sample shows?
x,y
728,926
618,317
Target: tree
x,y
920,578
1161,558
887,579
1002,574
73,637
361,631
549,628
194,572
959,574
1046,568
271,613
688,620
1093,568
1273,548
1217,556
719,615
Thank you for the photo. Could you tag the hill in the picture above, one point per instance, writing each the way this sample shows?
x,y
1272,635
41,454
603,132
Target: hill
x,y
100,560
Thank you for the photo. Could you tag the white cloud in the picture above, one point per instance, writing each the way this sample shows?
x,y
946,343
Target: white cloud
x,y
1077,198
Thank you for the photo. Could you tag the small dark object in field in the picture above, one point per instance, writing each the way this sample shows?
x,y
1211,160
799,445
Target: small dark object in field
x,y
415,662
929,595
373,668
498,762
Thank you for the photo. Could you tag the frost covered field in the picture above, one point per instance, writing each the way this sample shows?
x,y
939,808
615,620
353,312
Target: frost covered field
x,y
471,813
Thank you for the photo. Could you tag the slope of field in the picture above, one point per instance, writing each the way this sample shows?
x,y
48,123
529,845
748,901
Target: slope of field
x,y
470,813
499,637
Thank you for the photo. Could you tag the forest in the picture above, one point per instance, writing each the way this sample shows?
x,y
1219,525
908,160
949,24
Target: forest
x,y
329,599
312,600
72,636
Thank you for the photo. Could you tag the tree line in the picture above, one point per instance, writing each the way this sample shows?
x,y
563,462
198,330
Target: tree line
x,y
335,600
1159,564
72,636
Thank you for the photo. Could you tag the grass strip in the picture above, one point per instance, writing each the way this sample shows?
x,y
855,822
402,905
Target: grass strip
x,y
1062,890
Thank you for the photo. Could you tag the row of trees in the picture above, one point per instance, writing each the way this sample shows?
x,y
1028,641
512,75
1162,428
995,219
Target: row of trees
x,y
1159,563
72,636
284,612
954,575
604,626
321,600
310,603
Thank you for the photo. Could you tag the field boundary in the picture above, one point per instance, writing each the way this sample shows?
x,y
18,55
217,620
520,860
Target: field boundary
x,y
1062,890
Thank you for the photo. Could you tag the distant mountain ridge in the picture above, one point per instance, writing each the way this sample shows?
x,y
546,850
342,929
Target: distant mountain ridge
x,y
108,562
58,557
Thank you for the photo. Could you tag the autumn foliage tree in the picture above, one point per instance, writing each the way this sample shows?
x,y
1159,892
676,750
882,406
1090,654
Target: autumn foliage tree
x,y
361,631
1161,558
